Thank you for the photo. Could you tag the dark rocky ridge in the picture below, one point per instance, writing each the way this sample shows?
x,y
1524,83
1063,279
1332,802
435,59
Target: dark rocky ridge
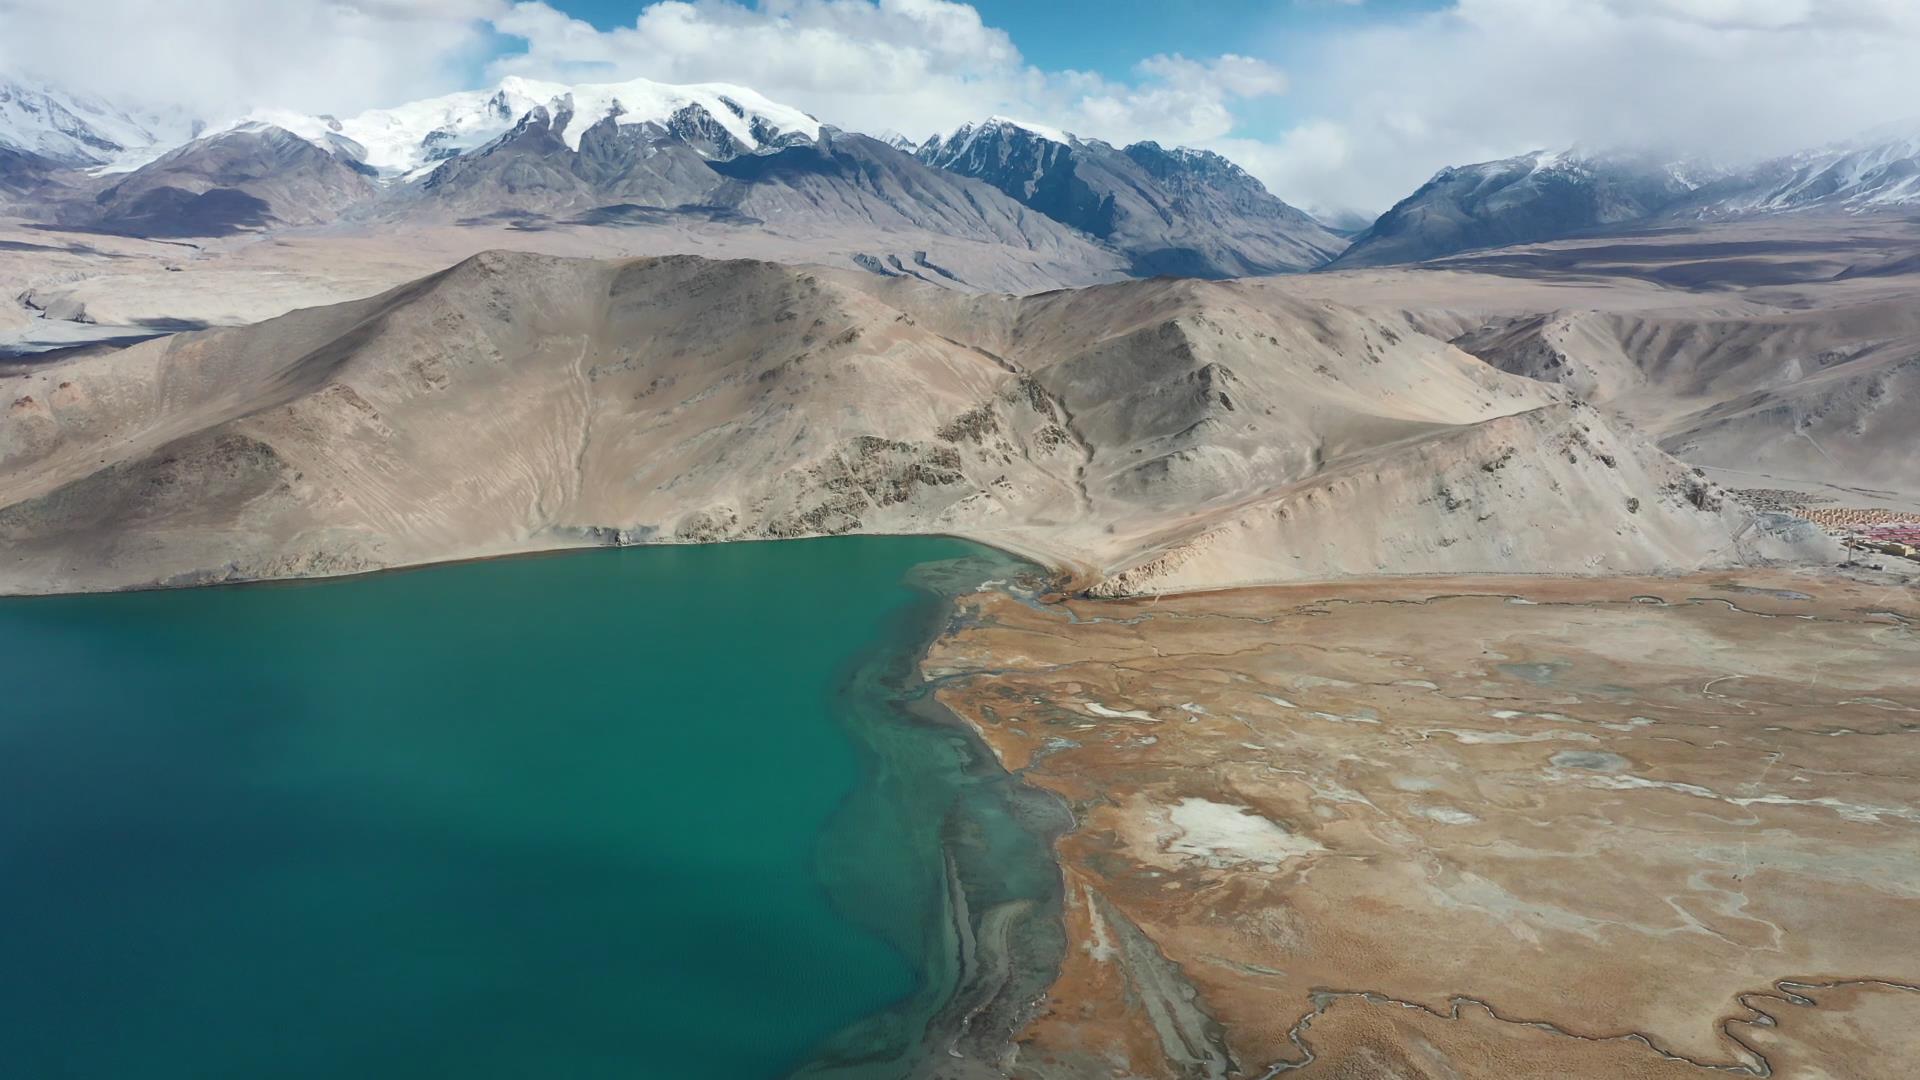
x,y
1180,212
1522,199
247,179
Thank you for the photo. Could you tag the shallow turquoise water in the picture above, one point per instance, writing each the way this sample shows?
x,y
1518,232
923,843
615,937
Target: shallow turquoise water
x,y
634,813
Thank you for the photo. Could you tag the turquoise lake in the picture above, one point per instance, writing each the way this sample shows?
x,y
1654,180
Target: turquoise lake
x,y
649,812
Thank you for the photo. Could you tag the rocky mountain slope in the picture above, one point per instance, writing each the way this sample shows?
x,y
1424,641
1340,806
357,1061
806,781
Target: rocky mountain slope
x,y
1180,212
1142,436
23,174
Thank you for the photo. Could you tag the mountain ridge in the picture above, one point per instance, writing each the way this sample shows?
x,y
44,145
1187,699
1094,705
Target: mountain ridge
x,y
1550,195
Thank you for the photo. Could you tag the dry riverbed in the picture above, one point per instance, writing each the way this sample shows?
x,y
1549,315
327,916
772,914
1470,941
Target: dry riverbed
x,y
1471,827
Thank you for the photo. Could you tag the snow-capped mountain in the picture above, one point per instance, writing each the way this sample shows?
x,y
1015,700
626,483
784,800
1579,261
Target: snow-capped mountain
x,y
1181,211
1879,169
407,141
546,155
83,132
523,147
551,154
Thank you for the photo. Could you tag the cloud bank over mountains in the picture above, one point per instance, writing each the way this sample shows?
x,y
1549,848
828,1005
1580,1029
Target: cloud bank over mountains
x,y
1364,112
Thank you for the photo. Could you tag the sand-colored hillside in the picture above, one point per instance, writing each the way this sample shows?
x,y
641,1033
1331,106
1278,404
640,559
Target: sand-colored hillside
x,y
520,402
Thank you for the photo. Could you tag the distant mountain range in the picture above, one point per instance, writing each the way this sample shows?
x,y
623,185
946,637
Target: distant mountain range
x,y
539,154
1545,196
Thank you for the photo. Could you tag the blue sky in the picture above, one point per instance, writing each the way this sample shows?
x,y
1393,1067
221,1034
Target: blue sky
x,y
1056,45
1110,36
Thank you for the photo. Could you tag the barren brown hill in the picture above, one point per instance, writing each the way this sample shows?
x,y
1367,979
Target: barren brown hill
x,y
1144,435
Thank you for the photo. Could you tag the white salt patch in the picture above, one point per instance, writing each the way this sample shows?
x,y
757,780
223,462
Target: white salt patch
x,y
1857,812
1484,738
1446,815
1197,710
1343,719
1282,702
1098,709
1224,835
1101,947
1563,718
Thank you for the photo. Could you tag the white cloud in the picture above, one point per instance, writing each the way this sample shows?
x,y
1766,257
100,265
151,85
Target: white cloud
x,y
917,66
1734,79
1374,106
220,57
905,64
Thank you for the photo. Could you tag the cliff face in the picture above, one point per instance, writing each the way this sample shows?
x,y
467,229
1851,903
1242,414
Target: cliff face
x,y
1144,436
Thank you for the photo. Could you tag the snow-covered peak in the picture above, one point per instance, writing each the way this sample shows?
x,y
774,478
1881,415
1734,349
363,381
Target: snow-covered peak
x,y
408,140
1551,159
903,143
84,132
1051,134
1879,169
747,115
958,142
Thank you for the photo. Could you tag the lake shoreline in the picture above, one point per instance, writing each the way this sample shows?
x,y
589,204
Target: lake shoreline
x,y
999,949
1057,568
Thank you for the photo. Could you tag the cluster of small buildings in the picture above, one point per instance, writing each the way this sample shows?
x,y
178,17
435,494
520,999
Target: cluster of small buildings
x,y
1902,539
1888,532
